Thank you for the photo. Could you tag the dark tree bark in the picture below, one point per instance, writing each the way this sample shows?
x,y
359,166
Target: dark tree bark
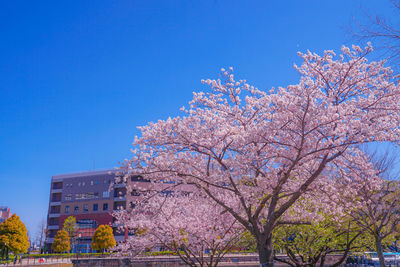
x,y
378,245
266,252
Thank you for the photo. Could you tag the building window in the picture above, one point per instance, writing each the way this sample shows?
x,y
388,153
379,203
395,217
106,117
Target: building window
x,y
76,209
96,182
83,183
86,207
91,182
135,193
89,195
132,205
138,178
68,197
66,209
106,194
105,206
95,207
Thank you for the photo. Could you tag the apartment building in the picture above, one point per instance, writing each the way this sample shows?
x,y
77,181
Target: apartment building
x,y
4,213
90,197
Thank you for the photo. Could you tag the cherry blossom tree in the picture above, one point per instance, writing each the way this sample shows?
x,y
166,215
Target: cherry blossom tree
x,y
257,153
375,206
379,214
198,231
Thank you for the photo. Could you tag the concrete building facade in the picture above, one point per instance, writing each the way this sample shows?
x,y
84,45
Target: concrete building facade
x,y
5,213
90,197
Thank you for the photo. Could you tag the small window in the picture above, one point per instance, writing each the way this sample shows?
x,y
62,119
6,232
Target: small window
x,y
95,207
132,205
96,182
91,183
66,209
105,206
68,197
106,194
138,178
83,183
79,184
135,193
86,207
76,209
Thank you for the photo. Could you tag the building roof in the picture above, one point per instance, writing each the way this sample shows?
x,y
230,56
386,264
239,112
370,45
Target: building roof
x,y
83,174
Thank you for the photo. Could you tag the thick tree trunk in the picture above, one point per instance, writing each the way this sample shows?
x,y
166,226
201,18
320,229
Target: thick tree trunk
x,y
266,253
378,245
322,262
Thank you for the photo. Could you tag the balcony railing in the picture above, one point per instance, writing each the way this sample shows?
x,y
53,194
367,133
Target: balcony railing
x,y
58,190
119,185
120,198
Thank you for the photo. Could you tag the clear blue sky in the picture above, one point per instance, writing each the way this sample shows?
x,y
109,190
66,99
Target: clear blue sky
x,y
78,77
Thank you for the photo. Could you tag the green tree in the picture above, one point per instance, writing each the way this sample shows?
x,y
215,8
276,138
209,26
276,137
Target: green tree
x,y
70,226
14,235
103,238
61,241
308,244
247,242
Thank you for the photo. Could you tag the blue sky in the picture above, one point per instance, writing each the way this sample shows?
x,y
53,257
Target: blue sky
x,y
78,77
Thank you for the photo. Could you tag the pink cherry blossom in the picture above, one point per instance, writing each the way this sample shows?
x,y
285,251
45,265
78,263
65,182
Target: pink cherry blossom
x,y
259,153
191,226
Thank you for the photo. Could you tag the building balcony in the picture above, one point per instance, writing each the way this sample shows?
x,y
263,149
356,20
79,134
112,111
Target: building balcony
x,y
58,190
54,215
119,185
120,198
55,203
53,227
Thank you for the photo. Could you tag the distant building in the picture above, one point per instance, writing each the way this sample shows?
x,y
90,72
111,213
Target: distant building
x,y
87,196
4,213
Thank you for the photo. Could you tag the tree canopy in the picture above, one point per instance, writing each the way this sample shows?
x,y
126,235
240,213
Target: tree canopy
x,y
14,235
310,244
61,241
103,238
184,225
259,154
70,226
